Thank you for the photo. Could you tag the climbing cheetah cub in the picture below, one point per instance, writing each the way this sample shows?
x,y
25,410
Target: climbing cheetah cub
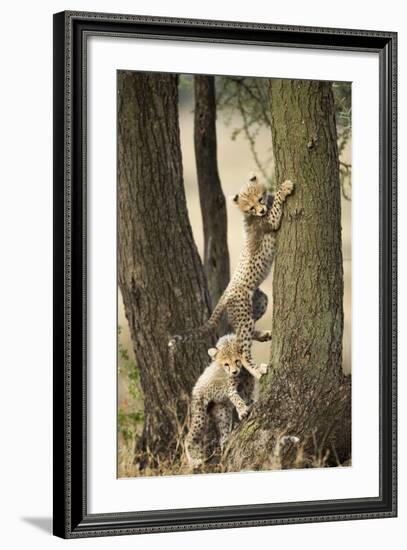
x,y
222,387
243,301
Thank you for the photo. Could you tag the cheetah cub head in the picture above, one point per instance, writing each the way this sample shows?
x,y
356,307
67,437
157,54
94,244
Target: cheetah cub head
x,y
252,197
227,354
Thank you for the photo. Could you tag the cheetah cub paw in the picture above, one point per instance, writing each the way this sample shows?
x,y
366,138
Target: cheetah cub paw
x,y
174,341
263,368
267,335
257,373
243,412
287,187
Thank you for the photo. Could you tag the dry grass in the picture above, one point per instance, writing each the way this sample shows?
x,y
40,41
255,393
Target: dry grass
x,y
128,461
297,457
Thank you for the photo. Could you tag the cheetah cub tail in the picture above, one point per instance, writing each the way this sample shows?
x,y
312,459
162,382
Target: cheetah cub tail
x,y
203,332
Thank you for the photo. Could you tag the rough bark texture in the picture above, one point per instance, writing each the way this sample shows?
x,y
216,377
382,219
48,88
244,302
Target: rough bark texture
x,y
213,206
160,273
305,393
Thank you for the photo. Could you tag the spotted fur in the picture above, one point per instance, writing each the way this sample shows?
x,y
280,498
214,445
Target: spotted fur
x,y
262,218
222,387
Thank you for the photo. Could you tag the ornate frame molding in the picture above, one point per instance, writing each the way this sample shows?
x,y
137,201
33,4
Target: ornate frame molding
x,y
71,30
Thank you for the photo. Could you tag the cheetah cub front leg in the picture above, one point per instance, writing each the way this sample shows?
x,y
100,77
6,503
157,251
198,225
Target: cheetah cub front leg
x,y
287,187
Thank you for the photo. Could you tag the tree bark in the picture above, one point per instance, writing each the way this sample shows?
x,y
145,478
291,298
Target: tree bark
x,y
213,205
305,393
160,273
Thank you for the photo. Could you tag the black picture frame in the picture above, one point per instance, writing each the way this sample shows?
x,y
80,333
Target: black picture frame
x,y
71,519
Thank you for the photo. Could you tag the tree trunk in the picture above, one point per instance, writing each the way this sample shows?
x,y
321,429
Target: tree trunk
x,y
213,206
305,393
159,269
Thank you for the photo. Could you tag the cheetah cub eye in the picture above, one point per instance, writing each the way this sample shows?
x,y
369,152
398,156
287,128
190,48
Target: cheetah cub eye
x,y
233,368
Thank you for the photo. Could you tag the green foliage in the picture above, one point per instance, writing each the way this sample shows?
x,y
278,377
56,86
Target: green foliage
x,y
130,423
343,112
343,103
125,426
186,90
248,98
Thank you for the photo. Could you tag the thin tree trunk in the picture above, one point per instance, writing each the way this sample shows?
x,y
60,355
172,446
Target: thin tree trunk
x,y
305,393
160,273
213,206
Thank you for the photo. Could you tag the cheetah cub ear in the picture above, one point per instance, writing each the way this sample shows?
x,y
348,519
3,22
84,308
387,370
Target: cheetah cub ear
x,y
235,198
252,177
212,352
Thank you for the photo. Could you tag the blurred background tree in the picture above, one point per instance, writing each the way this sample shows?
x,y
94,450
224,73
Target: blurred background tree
x,y
212,199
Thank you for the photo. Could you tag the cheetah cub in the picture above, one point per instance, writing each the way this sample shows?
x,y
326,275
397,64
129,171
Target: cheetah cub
x,y
243,301
222,387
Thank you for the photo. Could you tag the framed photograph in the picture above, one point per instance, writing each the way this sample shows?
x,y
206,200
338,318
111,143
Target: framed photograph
x,y
224,274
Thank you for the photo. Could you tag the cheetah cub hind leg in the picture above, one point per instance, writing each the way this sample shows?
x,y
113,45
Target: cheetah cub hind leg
x,y
262,335
259,308
222,415
194,454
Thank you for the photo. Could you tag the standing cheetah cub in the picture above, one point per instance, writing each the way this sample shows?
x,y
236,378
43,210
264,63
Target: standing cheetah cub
x,y
222,387
243,300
